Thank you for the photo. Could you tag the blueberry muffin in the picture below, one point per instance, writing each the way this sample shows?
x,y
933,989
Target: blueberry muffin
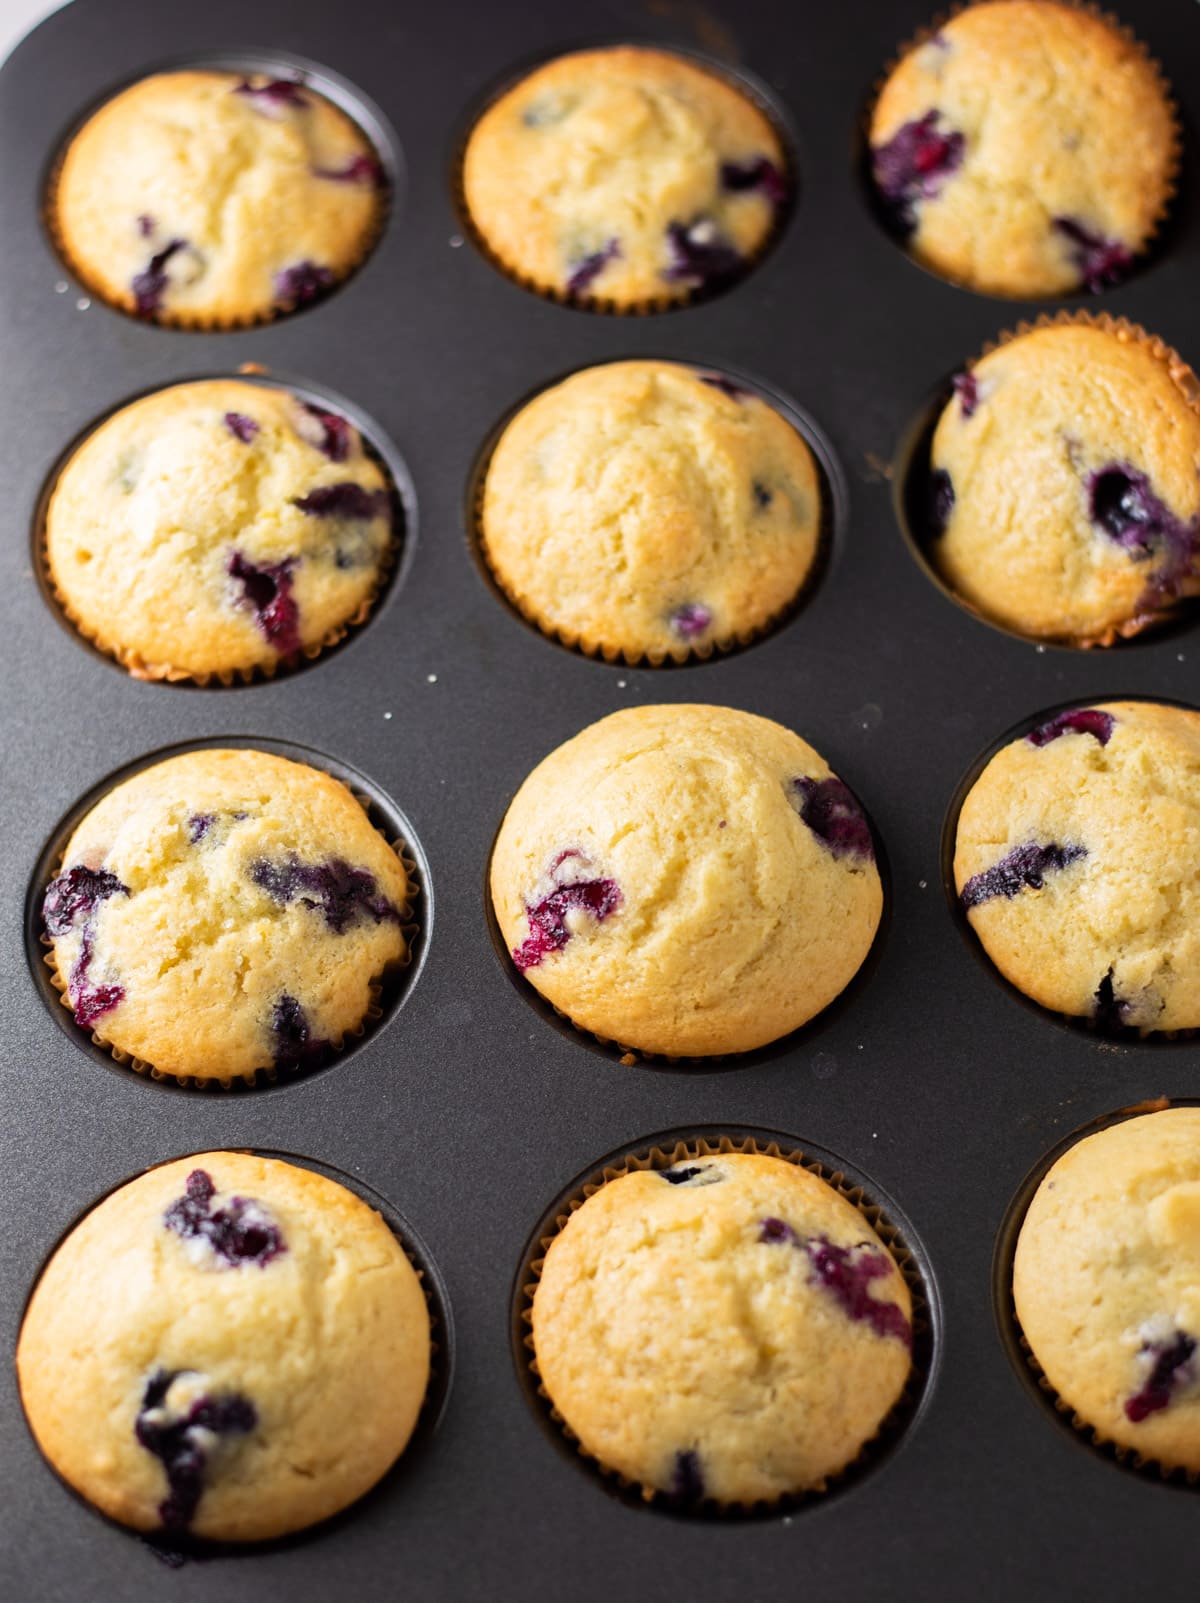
x,y
1077,862
648,510
218,529
730,1329
686,880
227,1347
224,912
1026,148
216,198
1106,1285
1066,483
626,175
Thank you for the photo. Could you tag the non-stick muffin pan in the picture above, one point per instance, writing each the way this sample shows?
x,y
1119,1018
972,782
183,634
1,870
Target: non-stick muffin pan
x,y
464,1108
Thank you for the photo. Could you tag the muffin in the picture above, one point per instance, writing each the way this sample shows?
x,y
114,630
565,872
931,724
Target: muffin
x,y
216,198
1026,148
227,1347
216,530
729,1329
686,880
1077,862
1066,483
1106,1289
626,175
225,912
647,510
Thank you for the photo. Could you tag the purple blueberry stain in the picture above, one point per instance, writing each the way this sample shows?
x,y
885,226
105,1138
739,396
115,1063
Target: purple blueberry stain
x,y
831,811
1170,1367
941,500
343,895
846,1273
966,387
547,916
356,170
242,428
587,269
691,620
198,826
914,164
727,386
150,285
301,284
331,435
1123,504
762,496
146,225
266,588
687,1479
274,96
346,500
1023,869
699,256
686,1173
773,1231
239,1232
183,1440
1078,721
758,173
1108,1012
72,901
1101,261
295,1046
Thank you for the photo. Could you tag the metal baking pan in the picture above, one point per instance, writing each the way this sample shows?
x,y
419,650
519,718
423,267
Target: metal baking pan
x,y
466,1110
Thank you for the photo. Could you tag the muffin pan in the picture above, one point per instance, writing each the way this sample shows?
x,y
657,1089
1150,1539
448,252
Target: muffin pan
x,y
466,1111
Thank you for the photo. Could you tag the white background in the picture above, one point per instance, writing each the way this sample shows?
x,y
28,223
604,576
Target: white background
x,y
18,16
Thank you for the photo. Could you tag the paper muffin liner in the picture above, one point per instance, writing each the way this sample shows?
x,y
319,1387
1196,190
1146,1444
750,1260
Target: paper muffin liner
x,y
649,305
1174,156
269,1074
201,323
136,665
1188,385
687,1148
675,656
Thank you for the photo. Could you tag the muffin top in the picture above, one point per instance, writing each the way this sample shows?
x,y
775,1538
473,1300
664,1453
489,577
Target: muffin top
x,y
626,174
649,510
1077,861
686,880
1106,1284
216,528
216,197
224,912
1067,483
729,1328
228,1346
1026,148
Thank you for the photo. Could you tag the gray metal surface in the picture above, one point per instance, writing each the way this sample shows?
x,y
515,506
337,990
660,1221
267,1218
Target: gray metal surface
x,y
466,1110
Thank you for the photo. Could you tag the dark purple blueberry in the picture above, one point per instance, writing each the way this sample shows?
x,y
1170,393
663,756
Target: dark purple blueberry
x,y
687,1481
773,1231
149,286
587,269
199,825
548,930
1101,262
762,496
179,1443
727,386
834,816
242,427
1171,1367
88,1000
301,284
966,387
691,620
336,434
346,500
1109,1013
847,1272
146,225
1079,721
699,256
914,164
757,173
295,1045
341,894
941,500
267,589
357,170
1122,503
680,1177
277,94
242,1232
74,897
1025,868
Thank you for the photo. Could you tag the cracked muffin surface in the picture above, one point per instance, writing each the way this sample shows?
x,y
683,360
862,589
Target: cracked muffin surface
x,y
730,1328
225,912
218,528
1077,861
209,197
228,1346
1025,148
